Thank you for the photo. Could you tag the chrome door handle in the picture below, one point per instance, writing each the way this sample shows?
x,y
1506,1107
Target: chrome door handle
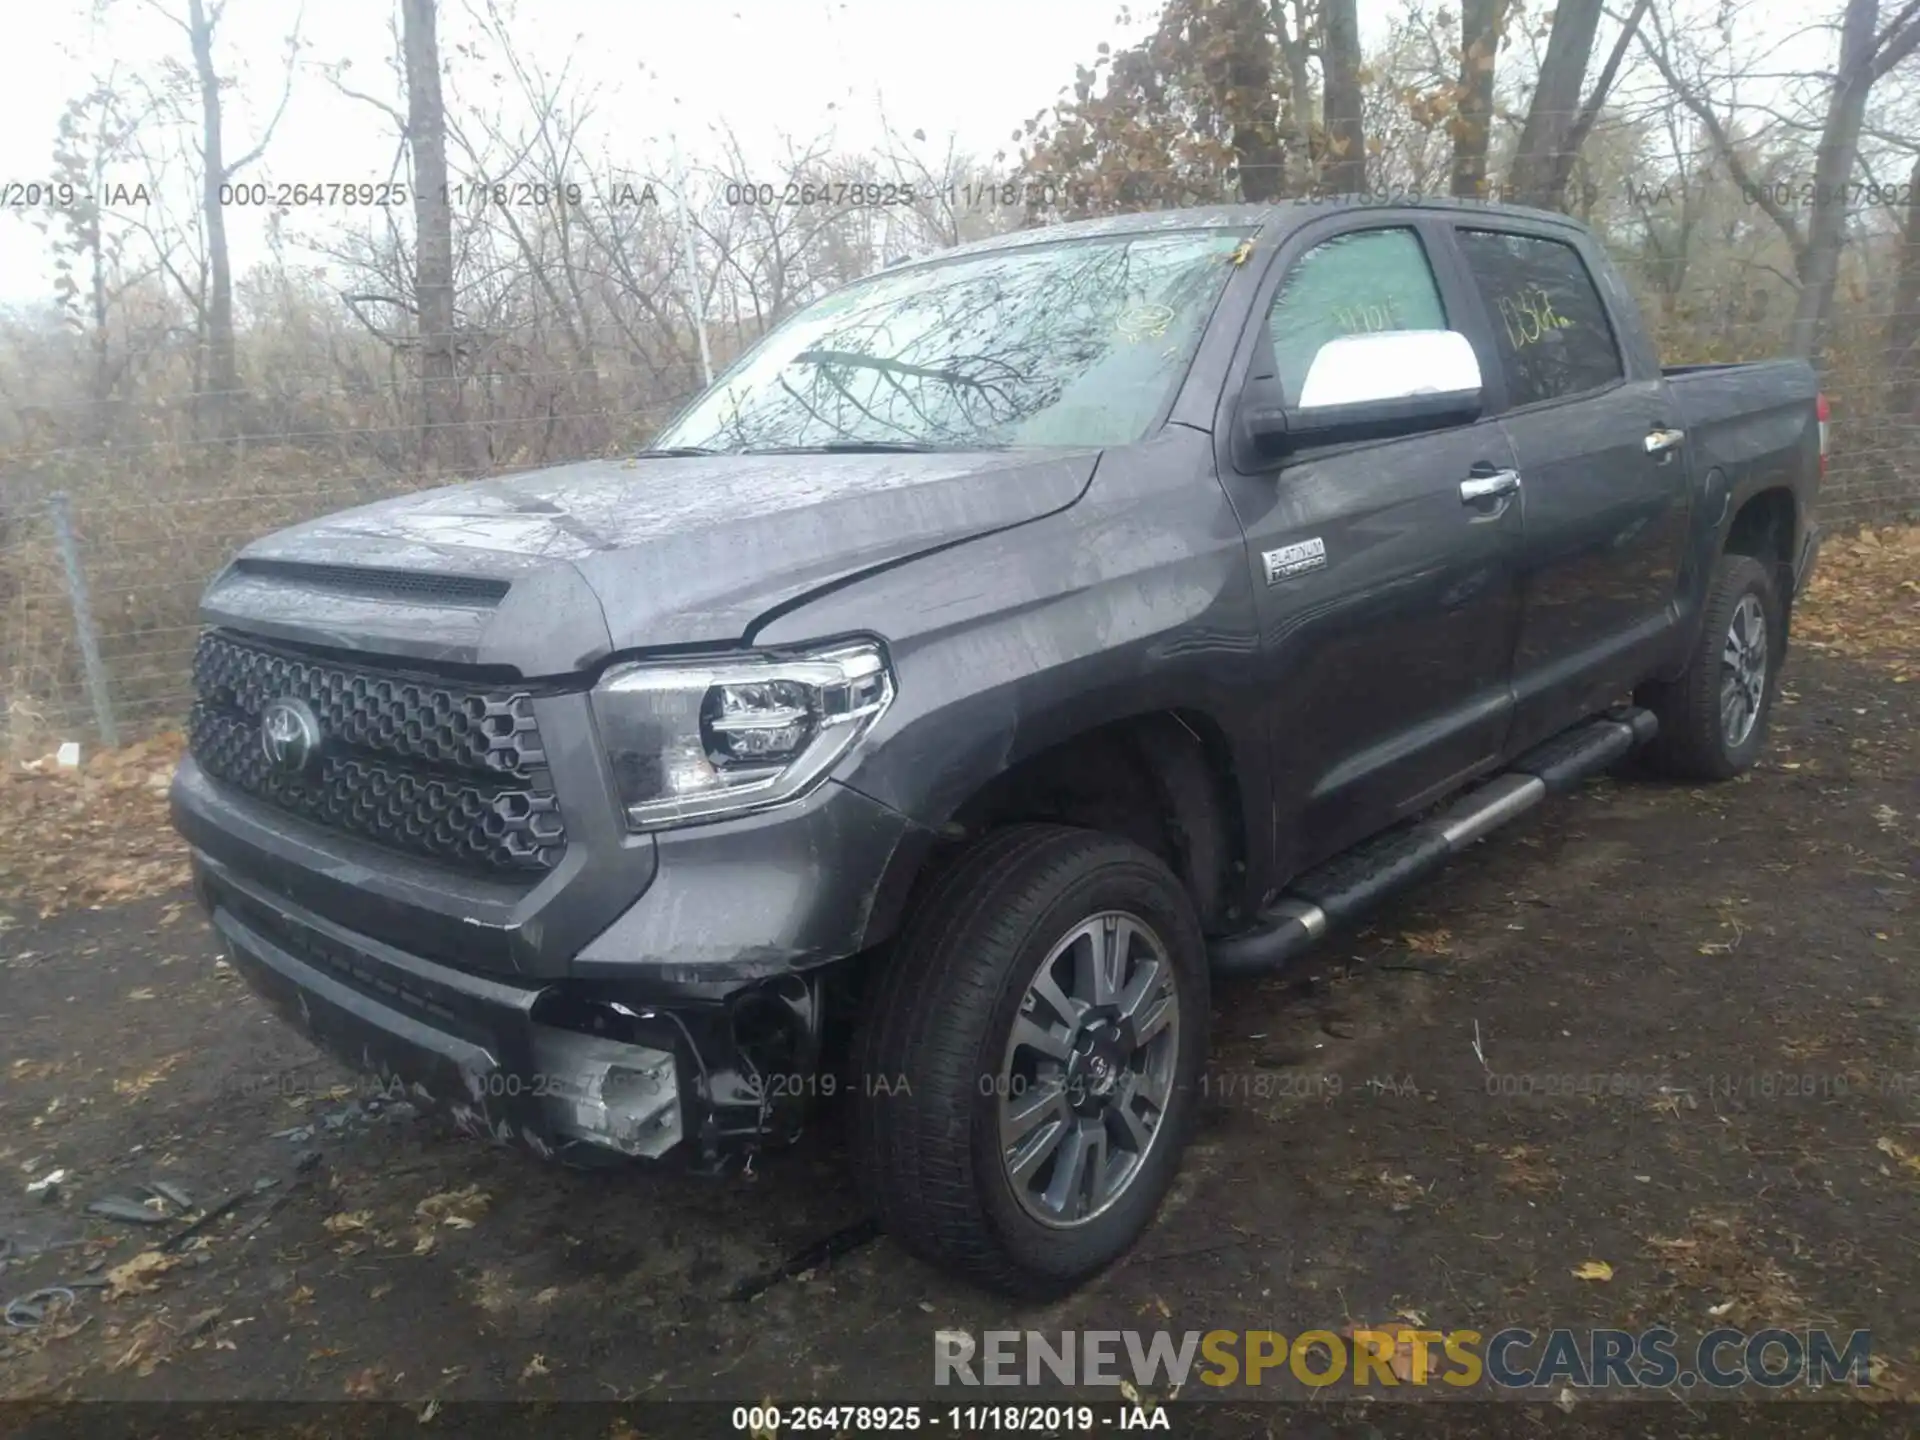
x,y
1661,441
1486,487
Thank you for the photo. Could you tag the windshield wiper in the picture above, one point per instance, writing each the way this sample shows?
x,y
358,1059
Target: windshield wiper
x,y
669,452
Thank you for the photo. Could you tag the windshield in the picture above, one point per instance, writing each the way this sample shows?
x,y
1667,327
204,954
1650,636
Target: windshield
x,y
1070,344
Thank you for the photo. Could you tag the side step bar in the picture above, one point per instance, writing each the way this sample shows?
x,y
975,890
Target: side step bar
x,y
1353,882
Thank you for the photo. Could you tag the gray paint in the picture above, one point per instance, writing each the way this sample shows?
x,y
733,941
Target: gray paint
x,y
1024,598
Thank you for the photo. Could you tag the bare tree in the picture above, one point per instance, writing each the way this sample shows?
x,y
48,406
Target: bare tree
x,y
96,131
1866,54
1483,25
1346,169
1903,320
441,411
1557,121
222,368
1556,100
1241,63
1868,51
543,156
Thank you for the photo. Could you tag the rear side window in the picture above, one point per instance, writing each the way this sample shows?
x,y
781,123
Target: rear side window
x,y
1357,284
1548,322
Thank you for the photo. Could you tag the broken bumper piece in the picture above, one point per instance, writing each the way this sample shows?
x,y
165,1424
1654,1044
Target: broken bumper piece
x,y
469,1046
604,1092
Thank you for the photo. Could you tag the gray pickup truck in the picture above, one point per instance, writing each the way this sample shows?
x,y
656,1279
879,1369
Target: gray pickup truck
x,y
1007,649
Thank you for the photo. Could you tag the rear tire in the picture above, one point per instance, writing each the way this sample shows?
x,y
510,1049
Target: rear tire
x,y
1713,719
946,1143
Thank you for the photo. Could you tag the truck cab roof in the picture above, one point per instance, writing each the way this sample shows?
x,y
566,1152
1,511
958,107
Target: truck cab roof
x,y
1269,220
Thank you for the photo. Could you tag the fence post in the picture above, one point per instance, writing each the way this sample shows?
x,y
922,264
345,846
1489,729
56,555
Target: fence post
x,y
83,630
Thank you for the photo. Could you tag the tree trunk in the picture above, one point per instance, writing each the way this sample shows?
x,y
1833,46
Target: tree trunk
x,y
1552,117
1346,168
1243,81
1296,144
1903,321
1481,25
1559,167
1826,232
442,437
222,372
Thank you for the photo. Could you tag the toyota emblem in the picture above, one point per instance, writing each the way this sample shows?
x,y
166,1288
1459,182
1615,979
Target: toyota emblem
x,y
290,735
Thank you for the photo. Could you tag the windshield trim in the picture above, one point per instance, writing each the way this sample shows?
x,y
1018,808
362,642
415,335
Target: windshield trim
x,y
1246,233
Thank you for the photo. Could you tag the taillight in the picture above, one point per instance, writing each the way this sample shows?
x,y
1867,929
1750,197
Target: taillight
x,y
1821,411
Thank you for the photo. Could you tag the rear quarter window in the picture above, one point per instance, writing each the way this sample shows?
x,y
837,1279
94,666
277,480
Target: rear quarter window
x,y
1549,324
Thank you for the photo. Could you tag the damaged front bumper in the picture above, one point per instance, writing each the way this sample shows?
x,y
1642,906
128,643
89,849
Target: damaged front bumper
x,y
653,996
572,1070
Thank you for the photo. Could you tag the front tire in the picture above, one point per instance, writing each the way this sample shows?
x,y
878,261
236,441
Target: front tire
x,y
1713,719
1030,1058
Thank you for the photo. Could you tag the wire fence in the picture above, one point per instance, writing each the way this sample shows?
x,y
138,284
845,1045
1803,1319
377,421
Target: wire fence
x,y
113,516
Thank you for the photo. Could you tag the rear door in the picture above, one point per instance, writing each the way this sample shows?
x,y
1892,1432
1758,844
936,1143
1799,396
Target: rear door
x,y
1603,470
1387,600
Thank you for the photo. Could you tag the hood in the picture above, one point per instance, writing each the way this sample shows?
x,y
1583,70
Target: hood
x,y
550,571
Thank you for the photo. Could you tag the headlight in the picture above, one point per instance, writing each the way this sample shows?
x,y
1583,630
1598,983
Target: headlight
x,y
694,740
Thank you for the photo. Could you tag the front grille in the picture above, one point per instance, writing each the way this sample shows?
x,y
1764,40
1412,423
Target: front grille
x,y
418,765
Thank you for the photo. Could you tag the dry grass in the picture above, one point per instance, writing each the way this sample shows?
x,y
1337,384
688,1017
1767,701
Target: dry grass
x,y
1864,601
90,835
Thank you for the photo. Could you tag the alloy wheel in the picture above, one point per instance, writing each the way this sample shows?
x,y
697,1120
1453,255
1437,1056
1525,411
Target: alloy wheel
x,y
1089,1069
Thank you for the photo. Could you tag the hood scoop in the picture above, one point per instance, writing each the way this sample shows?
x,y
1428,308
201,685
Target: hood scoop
x,y
379,582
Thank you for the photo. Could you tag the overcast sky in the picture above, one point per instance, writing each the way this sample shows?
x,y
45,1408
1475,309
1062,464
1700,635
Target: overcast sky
x,y
837,72
809,69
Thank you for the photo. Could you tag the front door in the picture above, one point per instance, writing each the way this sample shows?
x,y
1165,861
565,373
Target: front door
x,y
1388,596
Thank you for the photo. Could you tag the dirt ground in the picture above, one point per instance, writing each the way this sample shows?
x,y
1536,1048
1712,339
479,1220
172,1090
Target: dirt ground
x,y
1673,1030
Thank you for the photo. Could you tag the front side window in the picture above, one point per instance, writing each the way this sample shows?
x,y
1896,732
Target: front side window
x,y
1357,284
1549,324
1070,344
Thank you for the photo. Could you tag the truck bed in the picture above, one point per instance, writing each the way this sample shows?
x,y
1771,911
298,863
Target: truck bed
x,y
1752,421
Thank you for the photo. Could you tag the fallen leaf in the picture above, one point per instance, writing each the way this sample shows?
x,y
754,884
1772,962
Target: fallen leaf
x,y
1593,1270
137,1276
140,1356
1895,1151
1401,1358
457,1209
535,1367
346,1220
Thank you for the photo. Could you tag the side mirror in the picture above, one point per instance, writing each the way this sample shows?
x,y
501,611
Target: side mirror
x,y
1366,386
1398,379
1260,422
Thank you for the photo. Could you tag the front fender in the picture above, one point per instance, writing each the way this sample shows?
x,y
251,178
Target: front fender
x,y
1136,601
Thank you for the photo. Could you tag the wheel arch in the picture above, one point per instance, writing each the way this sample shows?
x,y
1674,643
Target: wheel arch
x,y
1763,526
1165,779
